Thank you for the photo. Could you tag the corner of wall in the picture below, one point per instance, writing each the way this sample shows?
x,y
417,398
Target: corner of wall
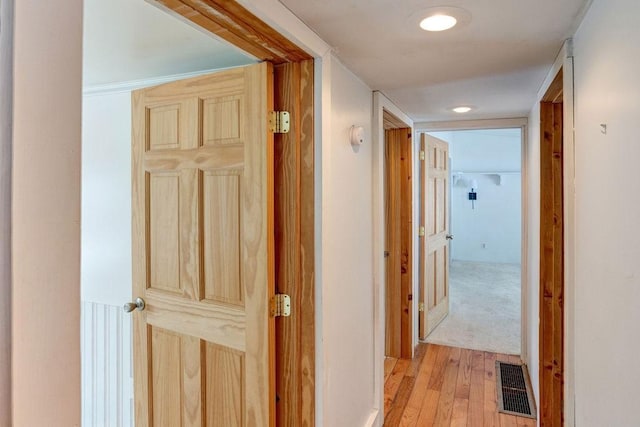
x,y
45,223
6,138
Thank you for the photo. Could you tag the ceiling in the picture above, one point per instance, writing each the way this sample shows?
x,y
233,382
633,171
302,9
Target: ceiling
x,y
496,62
127,40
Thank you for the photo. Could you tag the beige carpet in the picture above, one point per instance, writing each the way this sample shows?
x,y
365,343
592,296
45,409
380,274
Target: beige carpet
x,y
485,308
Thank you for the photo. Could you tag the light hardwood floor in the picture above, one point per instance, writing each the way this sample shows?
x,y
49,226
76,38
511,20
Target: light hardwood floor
x,y
445,386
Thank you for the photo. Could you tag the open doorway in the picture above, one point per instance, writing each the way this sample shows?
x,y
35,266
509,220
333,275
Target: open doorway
x,y
119,59
485,250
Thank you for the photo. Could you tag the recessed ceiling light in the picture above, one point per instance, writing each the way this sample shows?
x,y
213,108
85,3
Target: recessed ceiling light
x,y
462,109
438,22
438,19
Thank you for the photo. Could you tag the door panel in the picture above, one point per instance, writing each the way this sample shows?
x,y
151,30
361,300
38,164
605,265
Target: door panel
x,y
203,250
435,246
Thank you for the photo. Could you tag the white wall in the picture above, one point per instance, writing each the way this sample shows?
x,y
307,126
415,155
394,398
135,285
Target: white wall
x,y
347,262
532,309
107,366
106,198
491,232
6,87
46,213
607,314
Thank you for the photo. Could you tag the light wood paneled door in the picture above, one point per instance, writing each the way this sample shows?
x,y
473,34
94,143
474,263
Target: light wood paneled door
x,y
435,284
203,251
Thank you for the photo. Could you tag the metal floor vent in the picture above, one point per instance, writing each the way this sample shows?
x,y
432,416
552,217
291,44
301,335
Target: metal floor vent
x,y
514,390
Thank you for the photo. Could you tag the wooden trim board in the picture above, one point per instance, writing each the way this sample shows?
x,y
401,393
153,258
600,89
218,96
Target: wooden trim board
x,y
294,235
230,21
422,314
399,243
551,373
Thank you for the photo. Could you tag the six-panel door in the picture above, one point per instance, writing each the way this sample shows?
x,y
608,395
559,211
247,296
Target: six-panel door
x,y
203,250
436,246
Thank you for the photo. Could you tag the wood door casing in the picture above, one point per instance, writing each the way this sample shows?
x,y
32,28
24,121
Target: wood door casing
x,y
398,243
435,243
551,264
294,234
203,250
232,22
422,247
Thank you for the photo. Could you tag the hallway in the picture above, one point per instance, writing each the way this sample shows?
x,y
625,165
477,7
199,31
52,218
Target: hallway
x,y
445,386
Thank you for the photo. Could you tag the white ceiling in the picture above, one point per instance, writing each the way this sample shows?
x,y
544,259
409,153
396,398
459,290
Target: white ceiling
x,y
127,40
497,62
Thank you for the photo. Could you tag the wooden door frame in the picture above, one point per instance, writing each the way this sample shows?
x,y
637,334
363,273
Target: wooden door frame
x,y
564,62
399,238
523,125
552,325
381,104
294,365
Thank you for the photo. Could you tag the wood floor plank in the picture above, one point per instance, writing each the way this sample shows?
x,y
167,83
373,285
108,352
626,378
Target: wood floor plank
x,y
389,364
491,418
508,421
437,378
414,368
429,408
445,386
476,390
460,412
503,357
448,391
418,394
525,422
392,385
402,397
464,375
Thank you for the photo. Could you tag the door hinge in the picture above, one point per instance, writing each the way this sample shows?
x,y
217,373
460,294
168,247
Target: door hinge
x,y
279,121
421,306
422,155
281,305
421,231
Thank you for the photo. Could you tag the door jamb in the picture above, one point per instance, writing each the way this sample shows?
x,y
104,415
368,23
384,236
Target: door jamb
x,y
380,104
564,60
396,148
548,183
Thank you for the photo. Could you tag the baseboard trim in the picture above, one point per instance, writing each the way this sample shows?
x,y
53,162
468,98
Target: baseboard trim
x,y
375,420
